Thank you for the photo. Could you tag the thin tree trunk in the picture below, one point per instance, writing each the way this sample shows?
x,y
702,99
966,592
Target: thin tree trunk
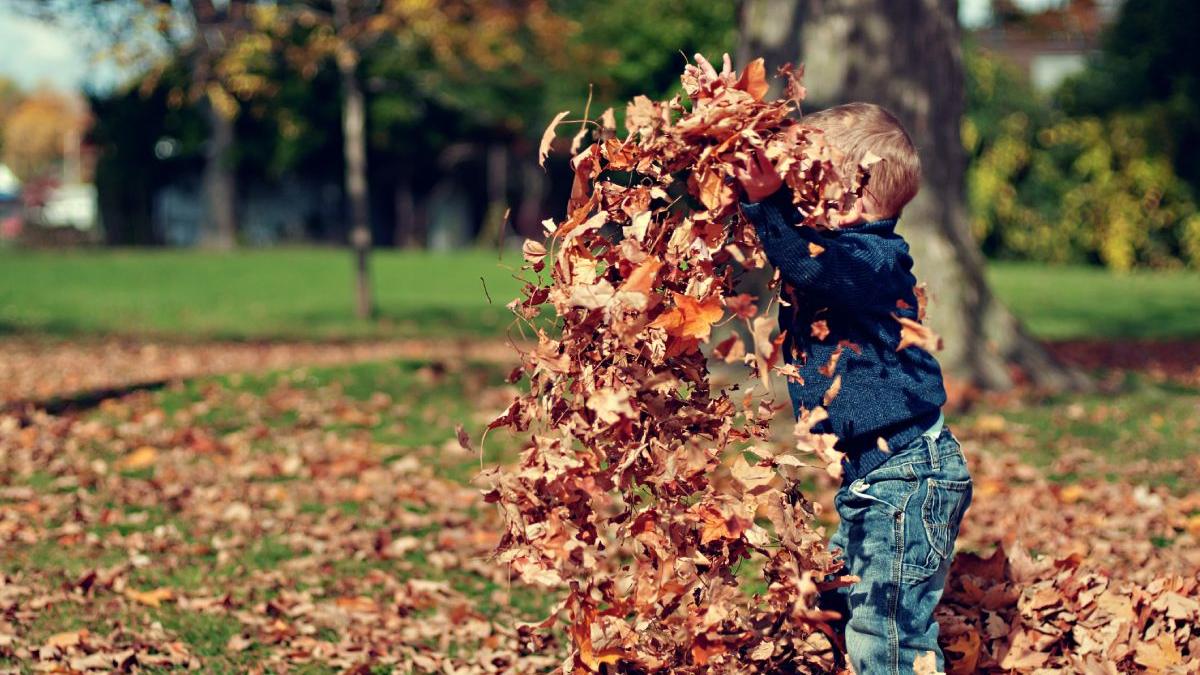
x,y
354,121
406,212
220,183
492,231
533,200
905,55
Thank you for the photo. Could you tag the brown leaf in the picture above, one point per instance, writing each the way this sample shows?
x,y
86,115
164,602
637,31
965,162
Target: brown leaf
x,y
548,138
754,80
820,329
152,598
915,334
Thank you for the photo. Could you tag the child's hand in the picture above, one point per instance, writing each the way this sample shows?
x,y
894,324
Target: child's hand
x,y
759,179
708,76
702,79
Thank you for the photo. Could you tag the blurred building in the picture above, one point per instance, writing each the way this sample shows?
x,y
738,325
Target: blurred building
x,y
1050,45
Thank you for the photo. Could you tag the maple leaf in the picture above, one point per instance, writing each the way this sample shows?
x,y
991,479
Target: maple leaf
x,y
730,350
754,80
690,318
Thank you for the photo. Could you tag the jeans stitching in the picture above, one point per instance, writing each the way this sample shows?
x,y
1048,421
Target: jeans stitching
x,y
894,591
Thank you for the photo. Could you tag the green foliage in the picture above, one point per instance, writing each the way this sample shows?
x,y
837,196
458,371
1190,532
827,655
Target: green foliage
x,y
1149,65
1046,186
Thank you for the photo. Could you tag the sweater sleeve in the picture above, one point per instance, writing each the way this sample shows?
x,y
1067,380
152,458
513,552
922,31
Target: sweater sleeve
x,y
845,270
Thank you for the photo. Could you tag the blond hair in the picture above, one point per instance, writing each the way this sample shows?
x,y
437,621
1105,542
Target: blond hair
x,y
856,129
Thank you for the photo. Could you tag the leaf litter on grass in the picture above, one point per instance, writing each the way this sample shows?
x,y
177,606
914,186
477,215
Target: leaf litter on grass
x,y
316,546
324,518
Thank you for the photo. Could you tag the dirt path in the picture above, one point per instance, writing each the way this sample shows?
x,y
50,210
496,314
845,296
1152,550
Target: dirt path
x,y
37,371
40,370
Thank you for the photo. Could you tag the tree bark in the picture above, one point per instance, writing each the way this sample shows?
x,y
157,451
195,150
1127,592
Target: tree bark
x,y
354,146
905,55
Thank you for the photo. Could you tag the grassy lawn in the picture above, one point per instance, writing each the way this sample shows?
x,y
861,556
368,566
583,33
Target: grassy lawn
x,y
1090,302
251,294
307,293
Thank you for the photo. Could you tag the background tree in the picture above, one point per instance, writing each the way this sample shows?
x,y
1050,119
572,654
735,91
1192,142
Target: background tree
x,y
38,131
906,56
1148,66
152,35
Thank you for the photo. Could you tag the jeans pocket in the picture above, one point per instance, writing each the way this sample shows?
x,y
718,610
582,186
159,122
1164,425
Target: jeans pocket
x,y
945,502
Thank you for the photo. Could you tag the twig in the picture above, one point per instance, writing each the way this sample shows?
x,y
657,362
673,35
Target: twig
x,y
485,290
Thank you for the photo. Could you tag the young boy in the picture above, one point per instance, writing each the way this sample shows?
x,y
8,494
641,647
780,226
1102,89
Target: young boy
x,y
906,483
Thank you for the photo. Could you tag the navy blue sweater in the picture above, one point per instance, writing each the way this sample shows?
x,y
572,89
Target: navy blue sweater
x,y
858,285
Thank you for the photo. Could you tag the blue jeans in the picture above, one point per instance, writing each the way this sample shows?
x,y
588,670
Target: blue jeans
x,y
897,531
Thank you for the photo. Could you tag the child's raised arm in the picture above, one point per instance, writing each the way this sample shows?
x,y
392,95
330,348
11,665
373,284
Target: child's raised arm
x,y
852,272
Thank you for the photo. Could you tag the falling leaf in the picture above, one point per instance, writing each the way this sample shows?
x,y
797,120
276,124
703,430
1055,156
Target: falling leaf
x,y
915,334
832,392
641,280
533,251
820,329
691,318
926,664
548,138
464,440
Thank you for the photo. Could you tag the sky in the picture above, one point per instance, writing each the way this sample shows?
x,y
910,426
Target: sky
x,y
38,54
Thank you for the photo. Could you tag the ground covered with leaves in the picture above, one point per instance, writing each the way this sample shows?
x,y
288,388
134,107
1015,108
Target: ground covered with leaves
x,y
319,519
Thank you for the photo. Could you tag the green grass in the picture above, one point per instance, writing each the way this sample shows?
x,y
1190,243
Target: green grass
x,y
251,294
307,293
1090,302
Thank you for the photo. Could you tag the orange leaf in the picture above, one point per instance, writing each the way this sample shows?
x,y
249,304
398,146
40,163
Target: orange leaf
x,y
641,279
152,598
142,458
962,652
754,79
913,333
691,318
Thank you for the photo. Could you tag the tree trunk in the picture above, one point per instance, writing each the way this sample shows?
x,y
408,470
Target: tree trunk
x,y
494,219
905,55
354,146
533,200
406,212
220,183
